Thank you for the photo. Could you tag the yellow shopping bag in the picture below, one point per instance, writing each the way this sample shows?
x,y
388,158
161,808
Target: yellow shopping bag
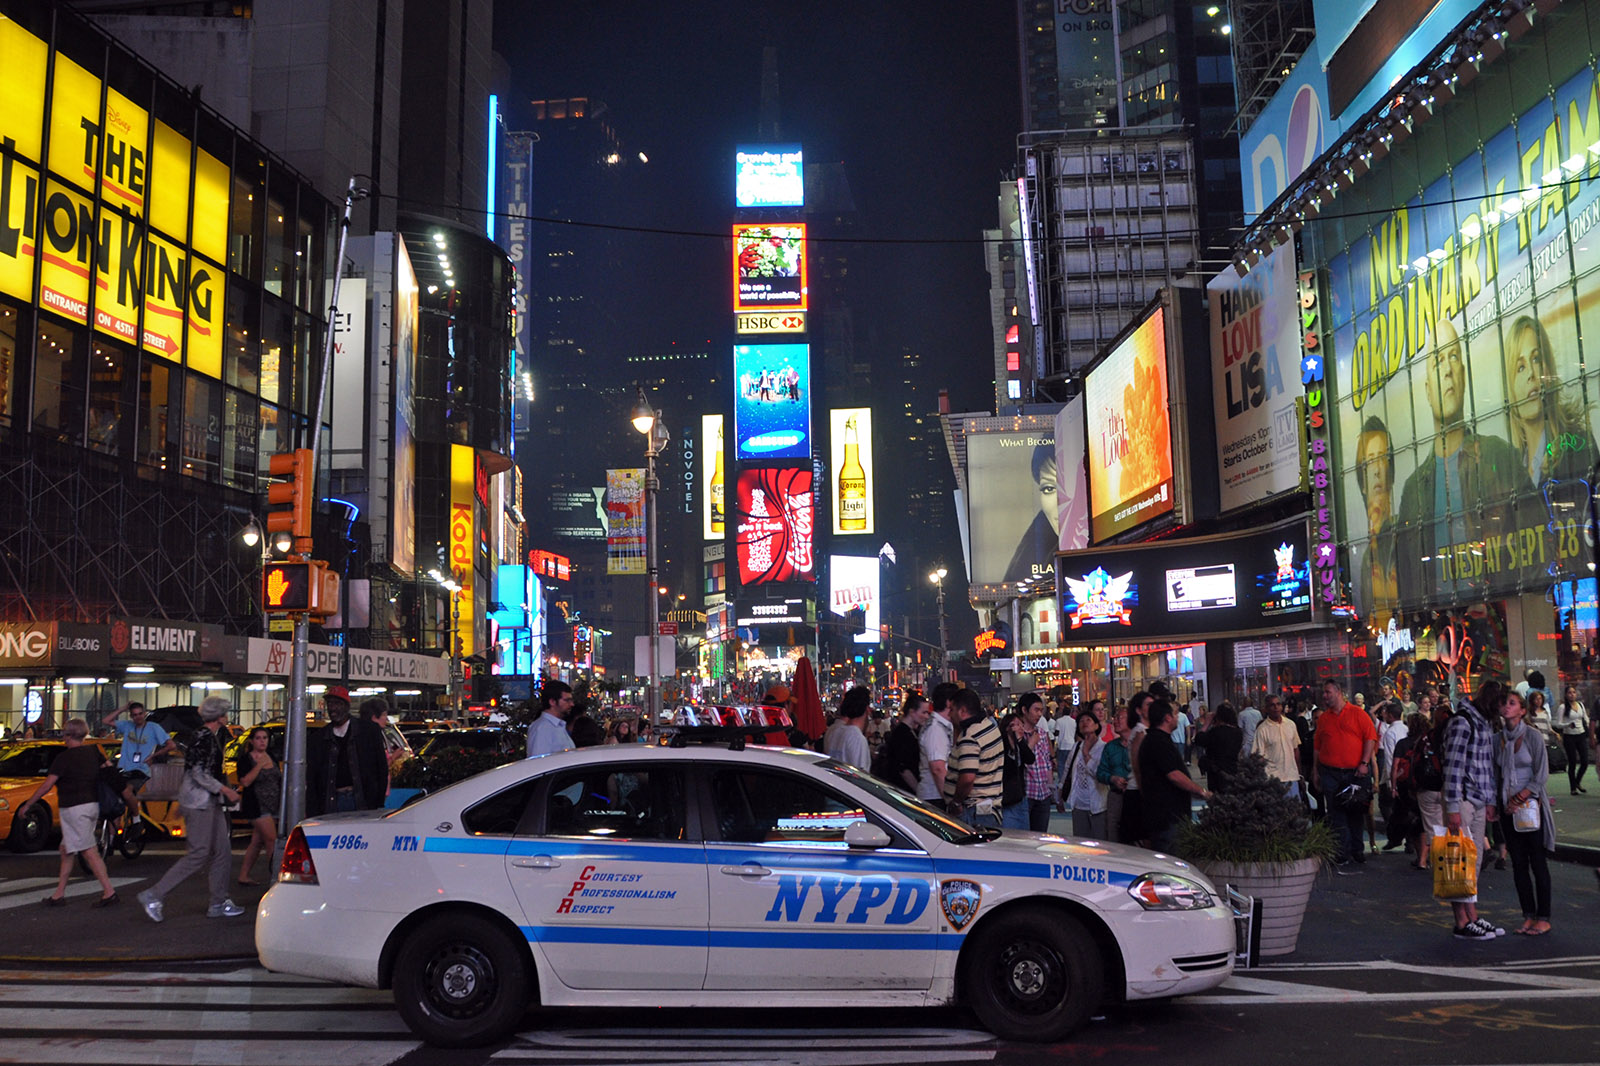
x,y
1455,865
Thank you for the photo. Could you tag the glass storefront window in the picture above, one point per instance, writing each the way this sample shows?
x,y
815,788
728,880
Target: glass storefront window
x,y
245,219
277,275
277,352
155,399
58,385
202,427
9,328
240,433
107,397
308,265
241,360
275,435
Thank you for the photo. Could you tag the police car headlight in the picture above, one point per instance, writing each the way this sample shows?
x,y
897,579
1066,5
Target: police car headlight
x,y
1169,892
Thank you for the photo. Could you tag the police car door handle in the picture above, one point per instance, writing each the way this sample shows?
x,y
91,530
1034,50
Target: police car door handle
x,y
537,862
746,871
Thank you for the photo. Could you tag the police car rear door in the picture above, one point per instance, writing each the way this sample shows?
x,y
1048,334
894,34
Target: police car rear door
x,y
795,907
613,887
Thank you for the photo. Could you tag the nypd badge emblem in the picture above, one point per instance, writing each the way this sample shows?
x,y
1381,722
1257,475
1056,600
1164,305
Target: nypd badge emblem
x,y
960,900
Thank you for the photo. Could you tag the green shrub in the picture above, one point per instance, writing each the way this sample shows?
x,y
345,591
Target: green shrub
x,y
1254,820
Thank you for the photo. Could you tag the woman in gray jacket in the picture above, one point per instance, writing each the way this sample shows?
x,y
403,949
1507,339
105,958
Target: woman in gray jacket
x,y
1522,772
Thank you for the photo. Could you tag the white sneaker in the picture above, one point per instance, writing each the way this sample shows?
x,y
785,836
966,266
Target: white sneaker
x,y
152,906
226,909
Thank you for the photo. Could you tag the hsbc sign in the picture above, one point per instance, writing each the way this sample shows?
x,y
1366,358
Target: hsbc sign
x,y
770,322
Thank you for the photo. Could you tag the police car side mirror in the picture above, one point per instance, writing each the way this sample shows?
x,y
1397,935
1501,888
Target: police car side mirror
x,y
864,834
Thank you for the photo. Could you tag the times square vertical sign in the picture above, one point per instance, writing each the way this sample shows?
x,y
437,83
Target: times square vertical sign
x,y
511,204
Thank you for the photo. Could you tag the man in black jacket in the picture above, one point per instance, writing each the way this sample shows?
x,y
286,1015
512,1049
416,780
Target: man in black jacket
x,y
346,767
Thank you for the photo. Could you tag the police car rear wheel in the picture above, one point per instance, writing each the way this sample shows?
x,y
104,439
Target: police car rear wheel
x,y
459,981
1034,975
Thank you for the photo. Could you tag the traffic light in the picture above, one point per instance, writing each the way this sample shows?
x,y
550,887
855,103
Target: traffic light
x,y
293,587
289,502
286,587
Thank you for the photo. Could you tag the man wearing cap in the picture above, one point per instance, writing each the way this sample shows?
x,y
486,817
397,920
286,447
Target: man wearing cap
x,y
346,766
548,733
845,740
205,820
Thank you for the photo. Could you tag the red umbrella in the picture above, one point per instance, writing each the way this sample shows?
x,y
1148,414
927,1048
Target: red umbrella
x,y
808,702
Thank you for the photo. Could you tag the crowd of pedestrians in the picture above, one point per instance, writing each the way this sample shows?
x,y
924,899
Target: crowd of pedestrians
x,y
1123,773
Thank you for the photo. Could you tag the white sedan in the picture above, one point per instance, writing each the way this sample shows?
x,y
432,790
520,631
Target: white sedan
x,y
630,876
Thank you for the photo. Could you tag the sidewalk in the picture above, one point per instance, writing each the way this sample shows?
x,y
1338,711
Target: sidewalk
x,y
79,933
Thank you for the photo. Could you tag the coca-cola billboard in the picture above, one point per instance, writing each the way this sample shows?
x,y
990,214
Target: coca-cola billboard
x,y
776,535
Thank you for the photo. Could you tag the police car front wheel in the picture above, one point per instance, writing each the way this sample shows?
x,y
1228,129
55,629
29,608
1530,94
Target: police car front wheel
x,y
1034,975
460,981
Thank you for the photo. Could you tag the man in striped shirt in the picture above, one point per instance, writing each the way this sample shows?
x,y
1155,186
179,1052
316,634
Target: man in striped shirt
x,y
973,787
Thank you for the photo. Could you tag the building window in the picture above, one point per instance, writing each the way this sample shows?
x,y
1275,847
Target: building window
x,y
107,401
241,362
277,274
58,382
202,427
9,319
155,400
245,220
240,434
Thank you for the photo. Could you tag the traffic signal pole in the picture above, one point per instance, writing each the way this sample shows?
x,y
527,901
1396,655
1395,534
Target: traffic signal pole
x,y
294,761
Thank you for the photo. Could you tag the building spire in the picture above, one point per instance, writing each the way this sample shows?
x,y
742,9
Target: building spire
x,y
770,128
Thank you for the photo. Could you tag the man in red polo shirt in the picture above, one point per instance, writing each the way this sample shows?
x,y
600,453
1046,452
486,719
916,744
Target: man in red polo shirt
x,y
1345,740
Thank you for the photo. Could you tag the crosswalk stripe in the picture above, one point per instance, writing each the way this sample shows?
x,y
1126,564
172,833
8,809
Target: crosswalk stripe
x,y
56,1051
25,884
164,1018
76,890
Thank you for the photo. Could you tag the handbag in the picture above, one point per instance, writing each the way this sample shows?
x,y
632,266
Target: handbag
x,y
1525,816
1455,865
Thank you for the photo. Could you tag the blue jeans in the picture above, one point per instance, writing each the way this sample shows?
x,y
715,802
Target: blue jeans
x,y
1014,816
1347,825
991,820
1039,815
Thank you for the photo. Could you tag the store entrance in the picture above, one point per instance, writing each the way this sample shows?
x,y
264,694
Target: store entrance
x,y
1183,669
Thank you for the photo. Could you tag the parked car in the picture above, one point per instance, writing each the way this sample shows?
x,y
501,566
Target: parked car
x,y
632,876
493,739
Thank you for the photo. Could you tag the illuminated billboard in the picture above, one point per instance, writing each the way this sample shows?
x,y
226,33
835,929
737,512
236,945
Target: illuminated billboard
x,y
772,407
769,175
850,440
1072,482
1255,380
769,267
463,542
625,518
1011,499
774,539
1130,435
1233,584
161,205
853,586
713,501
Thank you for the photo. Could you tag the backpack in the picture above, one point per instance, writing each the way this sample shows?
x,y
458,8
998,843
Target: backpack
x,y
108,792
1425,762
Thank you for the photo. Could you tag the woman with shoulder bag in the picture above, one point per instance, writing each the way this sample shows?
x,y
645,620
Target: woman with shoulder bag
x,y
1577,735
1522,771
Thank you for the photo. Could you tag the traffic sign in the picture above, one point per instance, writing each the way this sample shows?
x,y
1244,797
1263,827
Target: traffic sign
x,y
667,629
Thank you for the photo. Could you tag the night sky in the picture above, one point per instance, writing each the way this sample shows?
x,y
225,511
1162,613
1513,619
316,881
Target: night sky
x,y
919,101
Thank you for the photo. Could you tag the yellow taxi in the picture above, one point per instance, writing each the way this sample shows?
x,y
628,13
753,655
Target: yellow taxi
x,y
22,766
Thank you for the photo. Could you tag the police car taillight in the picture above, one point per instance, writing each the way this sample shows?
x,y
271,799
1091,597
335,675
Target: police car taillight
x,y
297,868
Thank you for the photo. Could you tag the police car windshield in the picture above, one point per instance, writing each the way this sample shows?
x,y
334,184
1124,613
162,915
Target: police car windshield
x,y
933,821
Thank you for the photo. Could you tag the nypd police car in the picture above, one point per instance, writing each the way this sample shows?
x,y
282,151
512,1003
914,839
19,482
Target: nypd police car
x,y
632,876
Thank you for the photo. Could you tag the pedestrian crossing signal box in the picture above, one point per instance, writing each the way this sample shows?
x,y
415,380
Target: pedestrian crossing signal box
x,y
295,587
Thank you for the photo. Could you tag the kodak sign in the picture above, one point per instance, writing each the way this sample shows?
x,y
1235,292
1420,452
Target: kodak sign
x,y
111,216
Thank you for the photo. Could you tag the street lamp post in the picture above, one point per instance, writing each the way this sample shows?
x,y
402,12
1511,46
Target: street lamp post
x,y
937,577
648,421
